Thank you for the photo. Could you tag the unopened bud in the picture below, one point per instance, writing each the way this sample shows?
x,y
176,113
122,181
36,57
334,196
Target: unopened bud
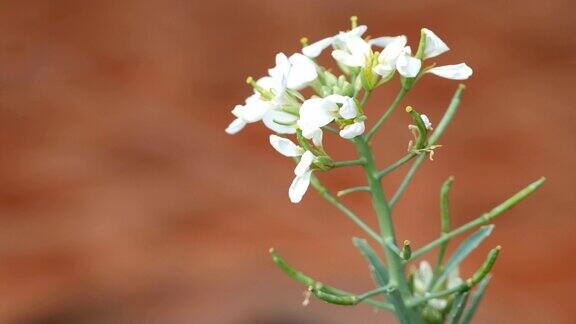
x,y
406,250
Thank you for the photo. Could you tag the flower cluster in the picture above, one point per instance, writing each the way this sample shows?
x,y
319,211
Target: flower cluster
x,y
278,98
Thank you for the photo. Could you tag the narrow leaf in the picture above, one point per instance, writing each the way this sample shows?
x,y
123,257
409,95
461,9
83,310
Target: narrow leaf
x,y
463,251
458,306
475,300
377,269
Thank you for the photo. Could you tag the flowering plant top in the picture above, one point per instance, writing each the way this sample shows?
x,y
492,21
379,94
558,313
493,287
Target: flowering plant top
x,y
298,97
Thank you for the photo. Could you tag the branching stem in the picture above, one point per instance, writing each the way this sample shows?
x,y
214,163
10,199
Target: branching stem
x,y
350,214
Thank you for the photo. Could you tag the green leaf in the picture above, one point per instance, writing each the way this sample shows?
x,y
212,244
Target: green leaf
x,y
458,306
475,300
377,269
463,251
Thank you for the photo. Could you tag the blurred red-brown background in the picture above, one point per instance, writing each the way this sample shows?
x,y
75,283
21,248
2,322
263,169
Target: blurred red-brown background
x,y
122,200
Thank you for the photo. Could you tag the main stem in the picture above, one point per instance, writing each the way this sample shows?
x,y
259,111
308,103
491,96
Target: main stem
x,y
382,209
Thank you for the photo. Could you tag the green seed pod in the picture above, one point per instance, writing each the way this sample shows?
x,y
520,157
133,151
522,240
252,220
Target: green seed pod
x,y
422,130
486,267
345,300
291,272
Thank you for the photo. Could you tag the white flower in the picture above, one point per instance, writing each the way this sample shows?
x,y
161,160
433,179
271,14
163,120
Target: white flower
x,y
294,72
397,56
315,49
353,52
426,121
434,45
303,172
256,109
316,113
252,111
407,65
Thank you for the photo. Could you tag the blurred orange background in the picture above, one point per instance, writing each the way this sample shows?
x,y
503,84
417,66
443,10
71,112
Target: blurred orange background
x,y
122,200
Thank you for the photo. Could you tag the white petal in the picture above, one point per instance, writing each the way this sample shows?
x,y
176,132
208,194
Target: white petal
x,y
305,162
358,31
454,278
426,121
238,111
282,64
317,138
315,49
235,126
391,52
308,131
285,146
346,58
279,73
437,303
273,118
455,72
299,186
434,45
384,69
358,47
277,84
348,109
255,110
317,112
302,72
425,273
351,131
267,83
381,41
407,65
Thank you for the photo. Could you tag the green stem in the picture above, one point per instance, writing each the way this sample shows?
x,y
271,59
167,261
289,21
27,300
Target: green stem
x,y
382,209
486,217
387,114
339,164
350,214
444,227
371,293
351,190
407,180
396,165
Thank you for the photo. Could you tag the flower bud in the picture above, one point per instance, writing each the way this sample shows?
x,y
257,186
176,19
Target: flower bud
x,y
406,250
